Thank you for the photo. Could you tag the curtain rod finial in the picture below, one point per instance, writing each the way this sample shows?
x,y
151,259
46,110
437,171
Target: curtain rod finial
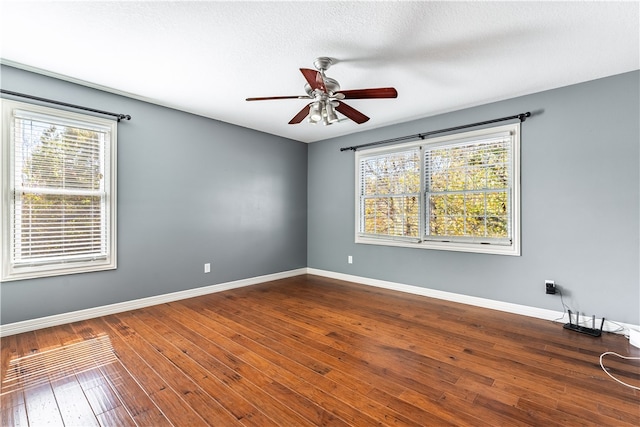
x,y
524,116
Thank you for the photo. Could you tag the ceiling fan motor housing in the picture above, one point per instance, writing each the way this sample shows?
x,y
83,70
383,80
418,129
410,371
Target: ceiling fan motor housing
x,y
330,84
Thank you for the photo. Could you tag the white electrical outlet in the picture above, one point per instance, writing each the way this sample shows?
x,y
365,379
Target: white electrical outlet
x,y
350,259
207,268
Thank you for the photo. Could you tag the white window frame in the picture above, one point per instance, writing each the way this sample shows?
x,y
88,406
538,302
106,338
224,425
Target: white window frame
x,y
17,271
511,247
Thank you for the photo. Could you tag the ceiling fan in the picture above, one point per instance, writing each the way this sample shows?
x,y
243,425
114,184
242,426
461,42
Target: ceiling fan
x,y
327,97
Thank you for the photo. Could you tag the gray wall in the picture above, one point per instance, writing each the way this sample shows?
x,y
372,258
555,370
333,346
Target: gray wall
x,y
190,190
580,206
193,190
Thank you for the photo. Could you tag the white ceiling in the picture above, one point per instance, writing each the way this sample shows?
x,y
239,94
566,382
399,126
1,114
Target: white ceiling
x,y
206,57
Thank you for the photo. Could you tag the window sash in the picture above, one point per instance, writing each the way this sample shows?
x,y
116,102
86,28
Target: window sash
x,y
50,230
468,191
390,195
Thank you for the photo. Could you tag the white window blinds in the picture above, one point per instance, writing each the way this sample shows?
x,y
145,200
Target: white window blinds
x,y
60,193
390,194
468,190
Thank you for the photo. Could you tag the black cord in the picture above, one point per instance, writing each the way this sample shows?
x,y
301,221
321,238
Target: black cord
x,y
564,306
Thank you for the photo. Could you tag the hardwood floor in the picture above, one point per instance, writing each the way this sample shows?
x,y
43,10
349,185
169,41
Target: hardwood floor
x,y
312,351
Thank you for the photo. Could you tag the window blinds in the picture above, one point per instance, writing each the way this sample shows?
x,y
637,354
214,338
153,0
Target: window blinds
x,y
468,190
390,195
59,210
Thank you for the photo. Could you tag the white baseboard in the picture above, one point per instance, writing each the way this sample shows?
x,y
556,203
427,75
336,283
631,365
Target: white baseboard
x,y
540,313
90,313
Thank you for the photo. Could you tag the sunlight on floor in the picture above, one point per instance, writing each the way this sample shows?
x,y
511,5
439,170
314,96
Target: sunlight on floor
x,y
57,363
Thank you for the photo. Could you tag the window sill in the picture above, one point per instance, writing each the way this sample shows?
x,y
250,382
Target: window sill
x,y
24,273
511,250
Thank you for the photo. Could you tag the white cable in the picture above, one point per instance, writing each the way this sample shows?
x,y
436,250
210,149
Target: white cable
x,y
614,378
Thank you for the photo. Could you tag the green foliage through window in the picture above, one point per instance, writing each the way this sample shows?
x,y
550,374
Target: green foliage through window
x,y
391,194
459,189
468,189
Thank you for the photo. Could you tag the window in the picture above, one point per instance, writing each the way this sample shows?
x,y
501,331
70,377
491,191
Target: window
x,y
457,192
58,192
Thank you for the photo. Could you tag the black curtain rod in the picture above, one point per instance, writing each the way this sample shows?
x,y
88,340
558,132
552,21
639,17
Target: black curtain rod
x,y
50,101
522,117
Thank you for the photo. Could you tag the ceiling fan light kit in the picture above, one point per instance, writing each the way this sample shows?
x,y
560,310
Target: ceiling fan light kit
x,y
327,96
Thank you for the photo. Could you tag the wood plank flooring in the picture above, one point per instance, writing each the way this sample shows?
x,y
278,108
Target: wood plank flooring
x,y
312,351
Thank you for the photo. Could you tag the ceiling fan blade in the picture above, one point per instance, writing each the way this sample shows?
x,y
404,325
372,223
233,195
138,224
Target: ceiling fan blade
x,y
314,79
352,113
301,115
382,92
267,98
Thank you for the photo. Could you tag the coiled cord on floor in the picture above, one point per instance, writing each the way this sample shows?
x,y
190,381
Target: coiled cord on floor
x,y
614,378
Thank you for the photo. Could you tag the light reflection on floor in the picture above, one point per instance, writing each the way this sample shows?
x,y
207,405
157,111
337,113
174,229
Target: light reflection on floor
x,y
57,363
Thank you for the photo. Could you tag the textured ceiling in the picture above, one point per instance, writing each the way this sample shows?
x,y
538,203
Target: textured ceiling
x,y
207,57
